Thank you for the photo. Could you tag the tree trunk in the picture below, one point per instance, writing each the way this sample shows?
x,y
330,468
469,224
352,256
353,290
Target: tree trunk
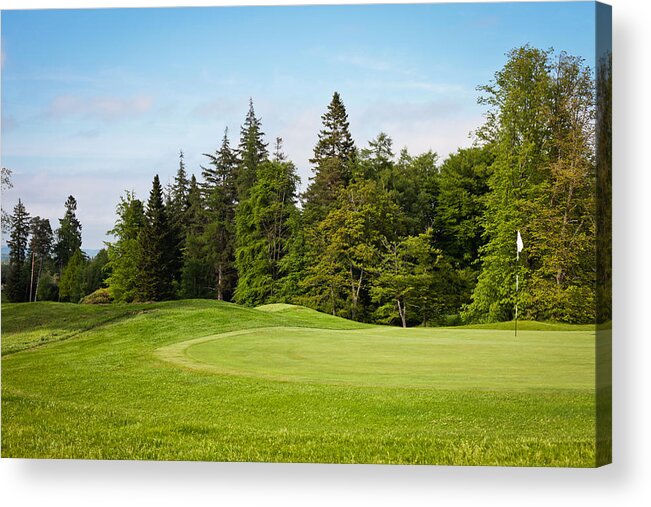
x,y
38,277
31,280
402,311
220,289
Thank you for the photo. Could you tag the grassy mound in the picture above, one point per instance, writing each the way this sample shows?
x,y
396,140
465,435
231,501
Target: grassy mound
x,y
86,381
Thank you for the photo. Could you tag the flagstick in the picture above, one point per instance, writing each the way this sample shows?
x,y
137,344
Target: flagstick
x,y
516,304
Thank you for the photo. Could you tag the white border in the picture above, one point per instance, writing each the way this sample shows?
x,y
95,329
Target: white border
x,y
626,482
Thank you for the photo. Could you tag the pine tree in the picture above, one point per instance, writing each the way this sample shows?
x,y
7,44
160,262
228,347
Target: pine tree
x,y
68,235
40,246
251,152
333,160
17,286
219,196
376,161
196,277
264,233
176,211
156,250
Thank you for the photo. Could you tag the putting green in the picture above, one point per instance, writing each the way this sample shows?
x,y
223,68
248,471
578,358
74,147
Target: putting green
x,y
440,358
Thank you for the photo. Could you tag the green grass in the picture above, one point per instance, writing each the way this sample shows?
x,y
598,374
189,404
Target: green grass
x,y
167,381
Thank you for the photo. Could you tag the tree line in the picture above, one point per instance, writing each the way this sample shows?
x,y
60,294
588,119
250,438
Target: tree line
x,y
377,236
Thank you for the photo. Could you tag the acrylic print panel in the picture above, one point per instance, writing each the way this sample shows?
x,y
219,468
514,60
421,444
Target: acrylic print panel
x,y
336,234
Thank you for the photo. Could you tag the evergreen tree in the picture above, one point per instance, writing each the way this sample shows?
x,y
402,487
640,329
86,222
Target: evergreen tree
x,y
252,151
333,160
176,211
376,161
40,246
68,235
196,277
124,252
156,244
220,196
17,285
264,233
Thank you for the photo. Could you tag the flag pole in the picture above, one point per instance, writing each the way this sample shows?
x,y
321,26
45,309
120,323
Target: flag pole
x,y
519,245
516,304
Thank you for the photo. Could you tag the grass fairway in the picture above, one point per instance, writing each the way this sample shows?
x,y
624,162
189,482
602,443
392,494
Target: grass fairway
x,y
204,380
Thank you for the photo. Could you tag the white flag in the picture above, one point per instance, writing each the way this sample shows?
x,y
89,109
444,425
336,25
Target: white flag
x,y
519,245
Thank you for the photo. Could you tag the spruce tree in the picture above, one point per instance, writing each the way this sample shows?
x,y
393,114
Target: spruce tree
x,y
68,235
17,286
40,246
156,244
176,211
333,160
195,278
219,192
251,152
264,231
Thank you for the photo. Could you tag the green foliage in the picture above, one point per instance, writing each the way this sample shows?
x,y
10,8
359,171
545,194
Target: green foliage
x,y
48,287
463,185
98,297
342,249
542,179
96,271
334,158
156,242
72,285
264,231
219,194
68,235
124,252
17,285
177,209
413,282
252,152
195,274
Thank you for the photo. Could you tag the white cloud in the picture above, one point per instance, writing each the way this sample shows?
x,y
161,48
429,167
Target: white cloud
x,y
105,108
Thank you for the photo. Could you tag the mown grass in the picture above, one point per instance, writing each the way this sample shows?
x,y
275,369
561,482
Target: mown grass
x,y
105,392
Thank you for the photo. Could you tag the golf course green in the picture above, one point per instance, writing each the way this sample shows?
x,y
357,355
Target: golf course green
x,y
207,380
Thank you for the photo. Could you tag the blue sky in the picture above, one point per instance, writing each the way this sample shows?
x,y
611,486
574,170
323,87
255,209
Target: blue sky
x,y
95,102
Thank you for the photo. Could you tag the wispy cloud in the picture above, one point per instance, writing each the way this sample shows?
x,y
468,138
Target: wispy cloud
x,y
104,108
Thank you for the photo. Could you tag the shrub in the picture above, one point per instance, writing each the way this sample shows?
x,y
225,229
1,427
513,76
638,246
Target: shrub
x,y
99,297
